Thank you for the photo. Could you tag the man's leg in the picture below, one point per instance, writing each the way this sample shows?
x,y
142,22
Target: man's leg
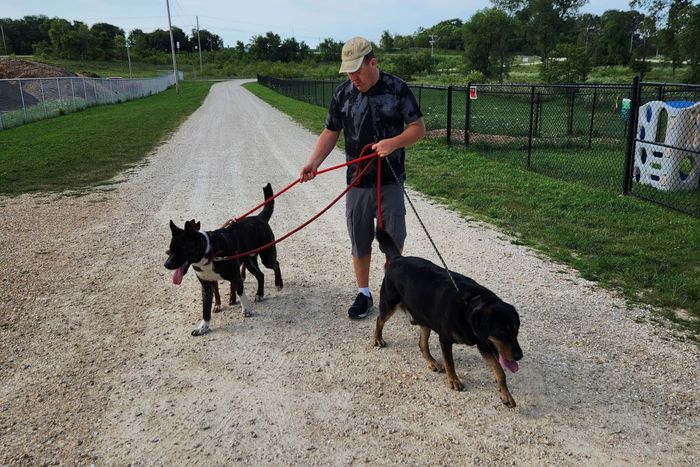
x,y
360,207
363,302
361,265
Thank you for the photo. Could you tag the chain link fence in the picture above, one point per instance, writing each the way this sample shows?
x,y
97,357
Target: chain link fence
x,y
579,133
25,100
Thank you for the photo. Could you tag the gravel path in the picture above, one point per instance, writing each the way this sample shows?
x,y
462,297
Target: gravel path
x,y
98,366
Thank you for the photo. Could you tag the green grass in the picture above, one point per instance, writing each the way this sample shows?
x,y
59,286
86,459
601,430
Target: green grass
x,y
645,252
93,145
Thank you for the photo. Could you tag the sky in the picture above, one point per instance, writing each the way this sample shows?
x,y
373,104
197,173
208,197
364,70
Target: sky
x,y
305,20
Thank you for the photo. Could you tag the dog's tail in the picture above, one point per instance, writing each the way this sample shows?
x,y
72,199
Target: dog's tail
x,y
266,213
387,245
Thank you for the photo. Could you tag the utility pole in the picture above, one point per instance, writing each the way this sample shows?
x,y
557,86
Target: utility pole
x,y
4,45
172,49
199,46
127,44
433,41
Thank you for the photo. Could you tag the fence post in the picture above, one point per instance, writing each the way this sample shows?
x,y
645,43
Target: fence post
x,y
467,114
538,114
43,99
60,98
21,94
590,128
631,137
449,114
420,91
570,120
529,138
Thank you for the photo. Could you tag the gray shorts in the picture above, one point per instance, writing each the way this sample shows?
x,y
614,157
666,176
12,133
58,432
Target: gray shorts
x,y
361,212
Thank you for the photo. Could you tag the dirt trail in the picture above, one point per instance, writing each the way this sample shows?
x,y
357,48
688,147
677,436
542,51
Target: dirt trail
x,y
98,365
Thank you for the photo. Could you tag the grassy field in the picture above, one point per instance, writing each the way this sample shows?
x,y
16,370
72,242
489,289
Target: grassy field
x,y
93,145
646,253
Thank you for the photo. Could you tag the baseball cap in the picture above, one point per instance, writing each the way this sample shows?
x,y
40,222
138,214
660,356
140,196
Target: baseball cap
x,y
354,51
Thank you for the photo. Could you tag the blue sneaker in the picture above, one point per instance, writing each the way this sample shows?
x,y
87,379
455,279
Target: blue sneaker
x,y
361,307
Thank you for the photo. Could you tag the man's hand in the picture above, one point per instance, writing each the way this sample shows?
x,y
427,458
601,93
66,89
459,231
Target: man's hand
x,y
384,147
308,172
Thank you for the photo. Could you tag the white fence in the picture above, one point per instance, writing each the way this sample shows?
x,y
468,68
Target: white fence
x,y
25,100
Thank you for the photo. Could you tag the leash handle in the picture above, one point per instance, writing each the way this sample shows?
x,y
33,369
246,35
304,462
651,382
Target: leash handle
x,y
285,189
316,216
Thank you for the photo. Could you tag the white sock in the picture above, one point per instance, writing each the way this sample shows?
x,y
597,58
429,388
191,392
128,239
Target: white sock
x,y
365,291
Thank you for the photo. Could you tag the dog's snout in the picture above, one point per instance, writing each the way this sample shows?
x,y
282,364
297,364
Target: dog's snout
x,y
517,353
167,252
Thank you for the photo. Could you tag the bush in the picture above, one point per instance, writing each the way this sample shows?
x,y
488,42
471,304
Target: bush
x,y
566,64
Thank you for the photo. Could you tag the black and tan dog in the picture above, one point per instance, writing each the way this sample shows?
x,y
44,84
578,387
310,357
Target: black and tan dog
x,y
473,315
192,247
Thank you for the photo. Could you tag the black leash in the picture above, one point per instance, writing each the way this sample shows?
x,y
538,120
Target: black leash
x,y
405,193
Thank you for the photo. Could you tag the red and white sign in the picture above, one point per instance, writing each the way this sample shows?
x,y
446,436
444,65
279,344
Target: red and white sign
x,y
472,92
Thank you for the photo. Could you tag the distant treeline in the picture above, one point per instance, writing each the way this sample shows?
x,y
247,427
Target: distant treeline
x,y
568,43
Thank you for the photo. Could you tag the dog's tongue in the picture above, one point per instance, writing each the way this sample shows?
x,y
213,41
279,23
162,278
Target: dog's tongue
x,y
178,274
508,364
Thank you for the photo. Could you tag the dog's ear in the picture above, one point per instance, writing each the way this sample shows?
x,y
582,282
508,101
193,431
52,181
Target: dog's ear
x,y
174,229
197,225
189,226
480,320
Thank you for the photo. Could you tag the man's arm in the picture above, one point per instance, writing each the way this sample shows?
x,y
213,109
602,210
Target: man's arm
x,y
324,146
412,133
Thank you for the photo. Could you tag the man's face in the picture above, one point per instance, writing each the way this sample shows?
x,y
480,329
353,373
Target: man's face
x,y
365,77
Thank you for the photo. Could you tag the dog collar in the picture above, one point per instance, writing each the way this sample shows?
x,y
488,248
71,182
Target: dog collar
x,y
208,250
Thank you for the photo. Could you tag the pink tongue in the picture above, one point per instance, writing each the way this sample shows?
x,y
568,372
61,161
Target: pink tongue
x,y
508,364
178,274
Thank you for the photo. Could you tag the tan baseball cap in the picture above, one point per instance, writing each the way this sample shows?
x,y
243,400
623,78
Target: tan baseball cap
x,y
354,51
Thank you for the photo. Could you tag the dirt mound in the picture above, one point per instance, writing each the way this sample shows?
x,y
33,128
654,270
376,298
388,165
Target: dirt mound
x,y
11,68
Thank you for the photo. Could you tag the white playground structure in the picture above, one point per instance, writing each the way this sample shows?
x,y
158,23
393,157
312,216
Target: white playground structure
x,y
667,152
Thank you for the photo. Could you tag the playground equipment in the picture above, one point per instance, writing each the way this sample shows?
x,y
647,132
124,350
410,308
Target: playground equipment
x,y
667,151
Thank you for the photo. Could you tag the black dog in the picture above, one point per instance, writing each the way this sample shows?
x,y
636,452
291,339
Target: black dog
x,y
199,249
473,315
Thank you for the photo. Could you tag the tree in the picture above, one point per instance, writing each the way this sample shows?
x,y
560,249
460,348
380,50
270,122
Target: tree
x,y
208,40
329,50
689,43
487,42
292,51
547,20
265,47
106,35
615,40
386,42
21,35
448,34
566,64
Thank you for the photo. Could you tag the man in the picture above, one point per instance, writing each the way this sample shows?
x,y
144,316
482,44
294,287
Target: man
x,y
371,107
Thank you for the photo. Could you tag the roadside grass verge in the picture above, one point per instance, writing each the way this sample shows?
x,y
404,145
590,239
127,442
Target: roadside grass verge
x,y
93,145
645,252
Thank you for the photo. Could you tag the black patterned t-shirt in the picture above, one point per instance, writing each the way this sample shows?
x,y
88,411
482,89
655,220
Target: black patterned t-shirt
x,y
368,117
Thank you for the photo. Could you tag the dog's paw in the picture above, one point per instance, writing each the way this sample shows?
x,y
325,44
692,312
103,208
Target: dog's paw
x,y
507,399
232,300
279,287
454,383
258,298
217,309
435,366
202,329
247,313
379,342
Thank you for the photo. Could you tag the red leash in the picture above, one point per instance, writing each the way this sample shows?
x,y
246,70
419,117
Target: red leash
x,y
362,168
